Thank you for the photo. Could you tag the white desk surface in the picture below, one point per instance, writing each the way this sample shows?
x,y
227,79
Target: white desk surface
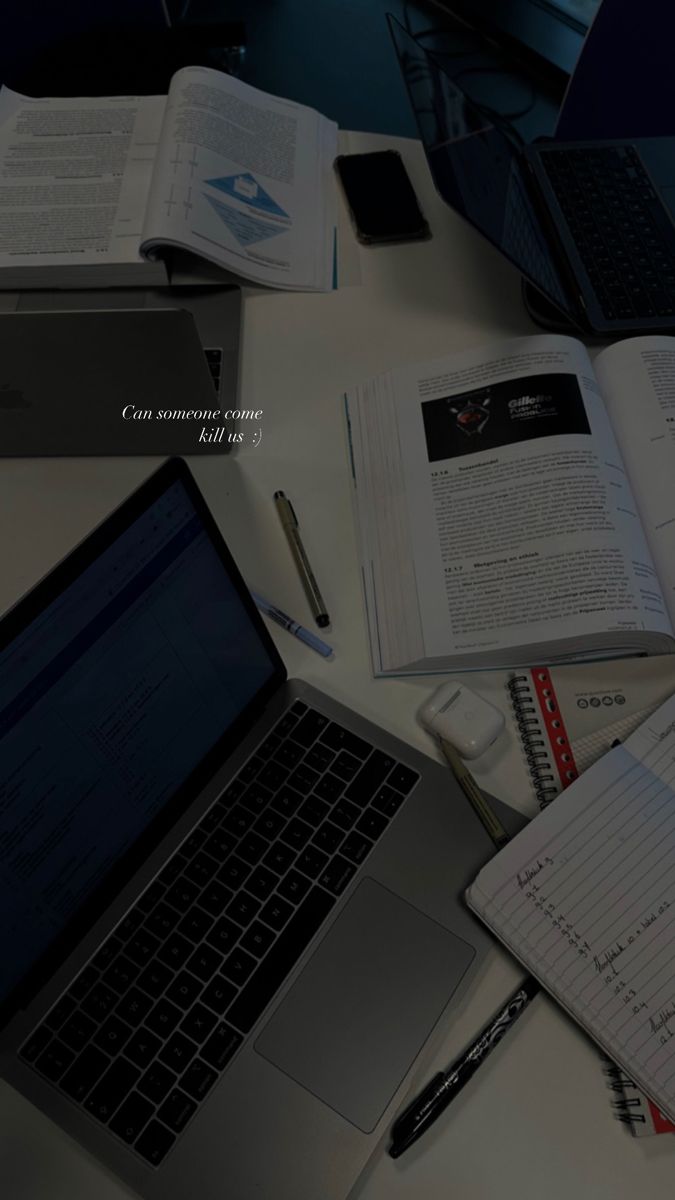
x,y
535,1121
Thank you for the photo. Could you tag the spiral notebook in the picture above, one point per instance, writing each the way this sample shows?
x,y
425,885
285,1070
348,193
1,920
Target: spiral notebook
x,y
567,717
584,897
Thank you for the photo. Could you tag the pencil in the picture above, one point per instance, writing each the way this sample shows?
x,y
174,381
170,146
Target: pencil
x,y
474,795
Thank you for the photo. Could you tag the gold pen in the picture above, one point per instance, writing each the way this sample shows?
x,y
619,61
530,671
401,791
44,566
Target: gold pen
x,y
466,781
289,523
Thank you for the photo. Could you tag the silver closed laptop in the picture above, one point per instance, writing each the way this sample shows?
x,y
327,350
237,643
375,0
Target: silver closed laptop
x,y
231,906
143,371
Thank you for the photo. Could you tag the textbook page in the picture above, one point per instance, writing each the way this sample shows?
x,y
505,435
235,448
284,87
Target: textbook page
x,y
585,898
74,183
493,482
245,179
637,380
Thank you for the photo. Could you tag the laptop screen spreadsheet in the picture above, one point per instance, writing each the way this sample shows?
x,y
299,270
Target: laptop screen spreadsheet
x,y
109,700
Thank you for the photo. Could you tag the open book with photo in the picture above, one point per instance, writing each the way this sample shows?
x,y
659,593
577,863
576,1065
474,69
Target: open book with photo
x,y
514,505
100,192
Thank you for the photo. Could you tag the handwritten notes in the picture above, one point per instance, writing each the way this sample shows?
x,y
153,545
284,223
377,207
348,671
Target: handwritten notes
x,y
585,896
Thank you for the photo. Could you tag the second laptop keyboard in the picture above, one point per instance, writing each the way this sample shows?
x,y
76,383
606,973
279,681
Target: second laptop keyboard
x,y
143,1032
619,226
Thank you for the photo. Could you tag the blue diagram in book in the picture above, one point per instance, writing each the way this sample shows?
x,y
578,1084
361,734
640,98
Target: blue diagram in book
x,y
246,227
245,188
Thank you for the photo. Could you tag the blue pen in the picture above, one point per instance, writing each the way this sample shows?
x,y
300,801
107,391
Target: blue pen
x,y
286,622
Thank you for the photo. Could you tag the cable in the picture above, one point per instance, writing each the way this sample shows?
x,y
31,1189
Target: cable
x,y
419,72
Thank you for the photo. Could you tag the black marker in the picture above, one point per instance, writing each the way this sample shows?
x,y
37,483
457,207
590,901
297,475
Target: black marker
x,y
443,1088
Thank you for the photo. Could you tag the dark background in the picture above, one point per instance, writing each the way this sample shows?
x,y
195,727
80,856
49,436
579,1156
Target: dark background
x,y
563,413
333,54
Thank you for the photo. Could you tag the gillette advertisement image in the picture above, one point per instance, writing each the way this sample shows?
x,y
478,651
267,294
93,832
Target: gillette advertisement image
x,y
515,410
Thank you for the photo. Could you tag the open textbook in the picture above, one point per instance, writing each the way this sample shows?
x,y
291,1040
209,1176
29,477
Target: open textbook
x,y
515,505
94,192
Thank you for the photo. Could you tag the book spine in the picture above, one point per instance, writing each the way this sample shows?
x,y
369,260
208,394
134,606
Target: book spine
x,y
534,737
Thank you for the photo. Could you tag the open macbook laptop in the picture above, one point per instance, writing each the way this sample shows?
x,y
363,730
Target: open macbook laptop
x,y
231,906
590,225
90,372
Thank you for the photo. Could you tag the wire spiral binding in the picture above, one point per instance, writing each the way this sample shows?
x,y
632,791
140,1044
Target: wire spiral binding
x,y
533,740
625,1107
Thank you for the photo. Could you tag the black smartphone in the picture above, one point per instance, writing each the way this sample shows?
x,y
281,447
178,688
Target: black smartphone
x,y
381,198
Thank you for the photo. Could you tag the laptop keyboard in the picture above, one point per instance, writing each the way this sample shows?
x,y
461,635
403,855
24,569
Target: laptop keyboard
x,y
619,226
144,1031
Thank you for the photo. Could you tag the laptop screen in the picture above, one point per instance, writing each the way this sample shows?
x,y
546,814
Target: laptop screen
x,y
110,698
475,166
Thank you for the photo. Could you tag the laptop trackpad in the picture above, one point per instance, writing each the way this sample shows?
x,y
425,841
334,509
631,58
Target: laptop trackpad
x,y
358,1014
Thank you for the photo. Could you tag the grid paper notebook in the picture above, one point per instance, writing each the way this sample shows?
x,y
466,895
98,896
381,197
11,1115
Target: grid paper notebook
x,y
585,898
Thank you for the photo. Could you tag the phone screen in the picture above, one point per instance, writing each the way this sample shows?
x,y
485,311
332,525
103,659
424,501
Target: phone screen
x,y
380,195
